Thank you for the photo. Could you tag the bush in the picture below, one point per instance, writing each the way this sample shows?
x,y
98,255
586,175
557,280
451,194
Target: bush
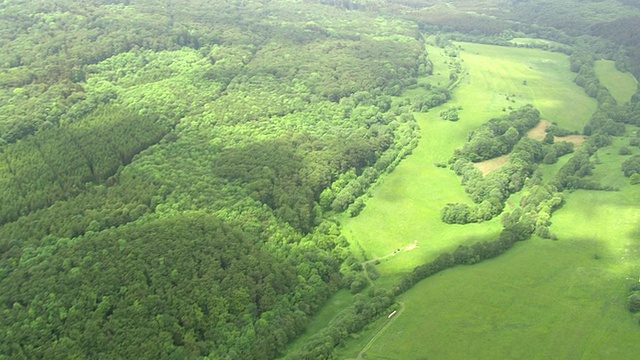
x,y
631,166
624,151
633,303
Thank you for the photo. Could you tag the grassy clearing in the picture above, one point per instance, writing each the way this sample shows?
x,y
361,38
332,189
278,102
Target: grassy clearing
x,y
406,207
488,166
539,132
542,299
577,140
621,85
499,71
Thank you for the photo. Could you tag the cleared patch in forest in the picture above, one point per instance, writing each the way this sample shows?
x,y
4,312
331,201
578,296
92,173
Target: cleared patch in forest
x,y
621,85
539,132
488,166
406,207
577,140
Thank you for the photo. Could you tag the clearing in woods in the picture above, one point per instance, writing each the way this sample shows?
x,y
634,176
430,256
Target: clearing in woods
x,y
621,85
542,299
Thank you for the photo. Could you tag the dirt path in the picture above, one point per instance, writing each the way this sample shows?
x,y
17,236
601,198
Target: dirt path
x,y
394,253
384,328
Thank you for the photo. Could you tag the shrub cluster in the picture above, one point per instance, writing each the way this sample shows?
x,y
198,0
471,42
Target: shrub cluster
x,y
490,192
499,136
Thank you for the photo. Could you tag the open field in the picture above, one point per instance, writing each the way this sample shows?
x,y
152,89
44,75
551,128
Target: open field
x,y
543,299
406,207
497,72
621,85
540,300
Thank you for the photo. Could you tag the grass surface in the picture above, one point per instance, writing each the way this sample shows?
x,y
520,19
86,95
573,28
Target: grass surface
x,y
621,85
542,299
406,207
495,72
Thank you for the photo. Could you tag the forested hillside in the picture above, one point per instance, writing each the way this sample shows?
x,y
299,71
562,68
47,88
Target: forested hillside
x,y
162,165
169,169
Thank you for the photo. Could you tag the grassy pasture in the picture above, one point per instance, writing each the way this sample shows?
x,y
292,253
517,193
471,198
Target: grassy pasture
x,y
543,299
621,85
549,85
608,165
540,300
406,207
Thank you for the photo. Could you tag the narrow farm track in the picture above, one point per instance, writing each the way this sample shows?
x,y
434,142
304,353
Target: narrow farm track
x,y
380,332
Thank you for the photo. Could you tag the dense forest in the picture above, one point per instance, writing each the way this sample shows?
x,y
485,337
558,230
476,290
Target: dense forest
x,y
170,170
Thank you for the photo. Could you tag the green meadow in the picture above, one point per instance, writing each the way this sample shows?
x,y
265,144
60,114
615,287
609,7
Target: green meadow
x,y
405,208
537,42
621,85
543,299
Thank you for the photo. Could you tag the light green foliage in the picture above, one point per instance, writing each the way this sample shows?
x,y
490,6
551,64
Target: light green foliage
x,y
621,85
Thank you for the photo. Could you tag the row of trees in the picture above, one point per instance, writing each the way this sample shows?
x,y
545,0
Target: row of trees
x,y
517,226
56,164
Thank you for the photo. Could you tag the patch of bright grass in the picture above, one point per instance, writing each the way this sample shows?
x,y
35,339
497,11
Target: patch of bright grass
x,y
405,208
542,299
621,85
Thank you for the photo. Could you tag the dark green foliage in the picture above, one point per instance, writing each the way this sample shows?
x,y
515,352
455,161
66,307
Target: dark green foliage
x,y
498,136
193,280
435,97
548,138
56,164
631,166
457,214
491,191
624,151
121,123
555,130
633,303
365,309
556,150
450,114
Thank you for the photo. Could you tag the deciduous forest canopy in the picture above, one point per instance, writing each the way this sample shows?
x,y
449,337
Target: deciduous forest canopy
x,y
171,170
